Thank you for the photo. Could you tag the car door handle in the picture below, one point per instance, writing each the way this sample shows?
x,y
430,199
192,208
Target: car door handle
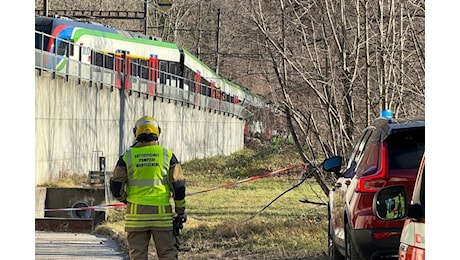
x,y
338,184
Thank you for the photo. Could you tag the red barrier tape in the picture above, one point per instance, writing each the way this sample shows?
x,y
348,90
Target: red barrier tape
x,y
115,205
121,205
247,180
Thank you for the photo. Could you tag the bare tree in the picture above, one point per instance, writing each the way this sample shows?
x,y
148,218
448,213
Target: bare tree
x,y
343,62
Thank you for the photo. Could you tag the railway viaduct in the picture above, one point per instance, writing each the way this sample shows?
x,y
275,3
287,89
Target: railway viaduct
x,y
81,126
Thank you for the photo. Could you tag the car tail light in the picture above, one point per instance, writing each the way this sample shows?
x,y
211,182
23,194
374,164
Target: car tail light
x,y
376,181
371,185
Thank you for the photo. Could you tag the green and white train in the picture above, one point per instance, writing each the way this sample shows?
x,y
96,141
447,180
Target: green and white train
x,y
135,62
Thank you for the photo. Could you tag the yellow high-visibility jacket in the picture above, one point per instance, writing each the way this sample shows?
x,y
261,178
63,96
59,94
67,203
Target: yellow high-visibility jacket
x,y
146,176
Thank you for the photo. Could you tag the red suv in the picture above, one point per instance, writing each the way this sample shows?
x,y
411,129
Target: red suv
x,y
393,203
387,153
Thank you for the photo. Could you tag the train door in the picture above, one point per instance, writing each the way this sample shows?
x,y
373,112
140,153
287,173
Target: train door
x,y
212,100
197,87
153,74
122,70
83,55
181,69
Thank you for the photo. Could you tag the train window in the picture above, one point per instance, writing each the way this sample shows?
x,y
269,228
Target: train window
x,y
102,60
71,48
64,48
202,89
134,67
163,71
98,58
139,68
143,69
206,87
40,41
108,61
189,78
187,74
173,68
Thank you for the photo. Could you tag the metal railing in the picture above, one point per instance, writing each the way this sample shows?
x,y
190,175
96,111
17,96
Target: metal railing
x,y
168,86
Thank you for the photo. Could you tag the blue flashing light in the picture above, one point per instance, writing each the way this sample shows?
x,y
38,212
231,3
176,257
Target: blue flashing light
x,y
386,114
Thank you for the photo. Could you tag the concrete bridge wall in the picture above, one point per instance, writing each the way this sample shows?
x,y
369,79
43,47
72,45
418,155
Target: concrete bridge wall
x,y
76,123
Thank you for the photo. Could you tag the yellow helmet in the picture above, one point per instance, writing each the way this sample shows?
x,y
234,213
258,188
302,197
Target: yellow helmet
x,y
147,125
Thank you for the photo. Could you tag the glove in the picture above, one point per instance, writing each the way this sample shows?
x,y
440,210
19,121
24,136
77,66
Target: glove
x,y
180,218
178,221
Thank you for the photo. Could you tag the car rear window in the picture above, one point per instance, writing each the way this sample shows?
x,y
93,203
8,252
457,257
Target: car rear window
x,y
405,148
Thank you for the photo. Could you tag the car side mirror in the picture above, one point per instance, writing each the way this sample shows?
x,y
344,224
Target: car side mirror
x,y
333,164
390,203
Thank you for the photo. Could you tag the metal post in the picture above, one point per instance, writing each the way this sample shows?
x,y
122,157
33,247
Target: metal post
x,y
217,40
101,163
45,7
79,63
146,16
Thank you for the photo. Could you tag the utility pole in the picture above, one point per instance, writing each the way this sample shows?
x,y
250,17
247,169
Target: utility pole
x,y
200,33
217,40
46,7
146,15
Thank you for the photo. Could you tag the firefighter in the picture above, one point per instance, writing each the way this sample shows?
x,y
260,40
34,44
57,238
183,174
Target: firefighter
x,y
395,207
145,177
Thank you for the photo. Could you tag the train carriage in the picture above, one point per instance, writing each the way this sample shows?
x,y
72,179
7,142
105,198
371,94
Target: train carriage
x,y
136,62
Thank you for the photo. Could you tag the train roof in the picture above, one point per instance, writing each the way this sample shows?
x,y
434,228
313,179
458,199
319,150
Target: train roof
x,y
48,21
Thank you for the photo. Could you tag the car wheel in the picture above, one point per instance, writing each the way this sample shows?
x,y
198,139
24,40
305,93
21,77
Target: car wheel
x,y
333,253
350,250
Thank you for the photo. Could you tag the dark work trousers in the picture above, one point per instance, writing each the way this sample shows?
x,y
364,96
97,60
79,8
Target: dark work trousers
x,y
165,244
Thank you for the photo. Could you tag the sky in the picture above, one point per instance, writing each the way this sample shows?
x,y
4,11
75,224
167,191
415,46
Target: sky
x,y
18,116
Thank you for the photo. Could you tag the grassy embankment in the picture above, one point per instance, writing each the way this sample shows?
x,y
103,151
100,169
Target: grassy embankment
x,y
231,223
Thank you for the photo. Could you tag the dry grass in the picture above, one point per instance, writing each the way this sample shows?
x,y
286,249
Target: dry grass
x,y
66,179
